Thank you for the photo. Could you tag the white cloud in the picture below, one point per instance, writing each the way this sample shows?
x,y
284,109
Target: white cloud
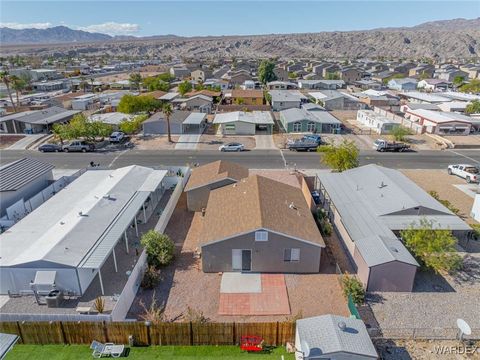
x,y
112,28
19,26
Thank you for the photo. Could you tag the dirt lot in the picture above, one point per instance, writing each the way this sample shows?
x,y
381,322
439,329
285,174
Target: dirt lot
x,y
362,141
159,142
125,76
7,140
425,350
442,183
212,142
185,285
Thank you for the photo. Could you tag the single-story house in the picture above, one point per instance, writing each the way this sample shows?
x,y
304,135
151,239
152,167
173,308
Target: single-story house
x,y
35,121
420,97
200,75
381,124
69,237
434,84
247,97
333,337
368,207
22,179
245,123
199,102
454,106
415,106
350,74
208,177
405,84
157,123
321,84
84,102
169,96
336,100
262,225
286,99
440,122
316,121
281,85
111,118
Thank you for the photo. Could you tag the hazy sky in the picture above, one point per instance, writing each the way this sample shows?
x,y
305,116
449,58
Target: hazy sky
x,y
190,18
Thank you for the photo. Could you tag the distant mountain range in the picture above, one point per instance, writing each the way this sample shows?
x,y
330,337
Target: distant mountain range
x,y
457,38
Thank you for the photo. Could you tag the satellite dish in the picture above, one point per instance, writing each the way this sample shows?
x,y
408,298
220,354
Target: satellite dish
x,y
305,348
464,327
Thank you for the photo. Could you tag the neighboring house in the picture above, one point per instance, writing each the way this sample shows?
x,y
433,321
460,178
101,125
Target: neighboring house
x,y
336,100
49,85
260,225
454,106
286,99
333,337
368,229
200,102
321,84
350,75
247,97
450,75
237,78
73,234
208,177
417,106
317,121
406,84
200,75
22,179
245,123
35,121
281,85
248,85
427,70
420,97
434,84
168,97
379,123
442,123
180,72
223,84
281,74
368,84
157,123
84,102
382,75
111,118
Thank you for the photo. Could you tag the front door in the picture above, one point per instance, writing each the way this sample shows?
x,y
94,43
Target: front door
x,y
241,260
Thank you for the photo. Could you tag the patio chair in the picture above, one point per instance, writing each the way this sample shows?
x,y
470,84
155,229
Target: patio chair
x,y
107,349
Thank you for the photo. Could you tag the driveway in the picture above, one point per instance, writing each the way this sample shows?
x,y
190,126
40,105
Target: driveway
x,y
188,142
25,142
265,141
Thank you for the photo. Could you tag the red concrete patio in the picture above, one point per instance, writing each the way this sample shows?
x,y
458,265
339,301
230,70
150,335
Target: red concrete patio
x,y
272,300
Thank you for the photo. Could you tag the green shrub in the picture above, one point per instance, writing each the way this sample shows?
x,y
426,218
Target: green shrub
x,y
445,203
354,288
159,247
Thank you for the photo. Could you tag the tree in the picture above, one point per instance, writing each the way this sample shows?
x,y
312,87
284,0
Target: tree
x,y
184,87
159,247
424,75
399,133
135,80
165,77
6,79
472,87
332,76
341,157
133,125
167,111
131,104
18,84
83,83
354,288
473,107
266,72
80,127
155,83
433,248
458,80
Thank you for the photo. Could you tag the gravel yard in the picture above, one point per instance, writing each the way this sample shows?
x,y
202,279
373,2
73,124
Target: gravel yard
x,y
184,284
7,140
159,142
213,142
425,350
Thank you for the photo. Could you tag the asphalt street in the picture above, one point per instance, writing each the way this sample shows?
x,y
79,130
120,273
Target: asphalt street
x,y
255,159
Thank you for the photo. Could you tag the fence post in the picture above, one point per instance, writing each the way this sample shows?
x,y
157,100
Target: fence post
x,y
276,335
149,337
20,331
63,333
234,332
191,333
105,332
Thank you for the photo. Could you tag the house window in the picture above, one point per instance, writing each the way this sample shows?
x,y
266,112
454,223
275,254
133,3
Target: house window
x,y
297,127
261,236
230,127
311,126
290,255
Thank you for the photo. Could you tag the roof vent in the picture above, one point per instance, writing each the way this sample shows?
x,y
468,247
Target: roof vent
x,y
292,206
62,222
382,185
394,249
109,197
342,326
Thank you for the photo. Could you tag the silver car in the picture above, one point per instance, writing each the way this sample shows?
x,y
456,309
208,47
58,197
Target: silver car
x,y
232,147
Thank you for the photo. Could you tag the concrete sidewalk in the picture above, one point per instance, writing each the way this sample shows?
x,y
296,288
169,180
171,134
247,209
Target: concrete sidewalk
x,y
25,142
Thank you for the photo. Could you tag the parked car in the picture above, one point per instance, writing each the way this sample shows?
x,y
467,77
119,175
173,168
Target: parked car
x,y
313,137
50,148
384,145
117,136
79,145
232,147
303,144
465,171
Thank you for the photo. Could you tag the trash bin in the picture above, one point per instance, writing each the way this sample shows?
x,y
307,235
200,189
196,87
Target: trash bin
x,y
54,298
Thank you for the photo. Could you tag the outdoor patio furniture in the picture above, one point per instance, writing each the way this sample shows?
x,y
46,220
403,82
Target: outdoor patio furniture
x,y
251,343
107,349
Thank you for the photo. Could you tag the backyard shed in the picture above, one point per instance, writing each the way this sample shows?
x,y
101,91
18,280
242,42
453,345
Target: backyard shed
x,y
333,337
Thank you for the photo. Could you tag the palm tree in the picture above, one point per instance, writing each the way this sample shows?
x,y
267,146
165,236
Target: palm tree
x,y
6,79
83,83
167,111
18,84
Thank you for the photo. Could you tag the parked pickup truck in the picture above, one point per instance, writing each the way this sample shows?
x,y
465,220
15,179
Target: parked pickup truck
x,y
467,172
384,145
78,145
303,144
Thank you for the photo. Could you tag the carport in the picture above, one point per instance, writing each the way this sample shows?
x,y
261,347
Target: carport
x,y
195,123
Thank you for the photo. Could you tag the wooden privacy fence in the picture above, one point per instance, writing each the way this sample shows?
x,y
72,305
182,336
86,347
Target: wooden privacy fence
x,y
188,333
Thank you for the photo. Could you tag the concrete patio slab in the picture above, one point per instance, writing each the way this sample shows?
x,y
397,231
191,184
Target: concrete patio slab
x,y
240,283
469,189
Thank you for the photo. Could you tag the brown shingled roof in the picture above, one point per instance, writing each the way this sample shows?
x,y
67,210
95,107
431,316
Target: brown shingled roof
x,y
259,203
213,172
247,93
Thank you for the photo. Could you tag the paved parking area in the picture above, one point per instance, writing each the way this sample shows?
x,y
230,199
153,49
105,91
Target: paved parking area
x,y
187,142
272,300
264,141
